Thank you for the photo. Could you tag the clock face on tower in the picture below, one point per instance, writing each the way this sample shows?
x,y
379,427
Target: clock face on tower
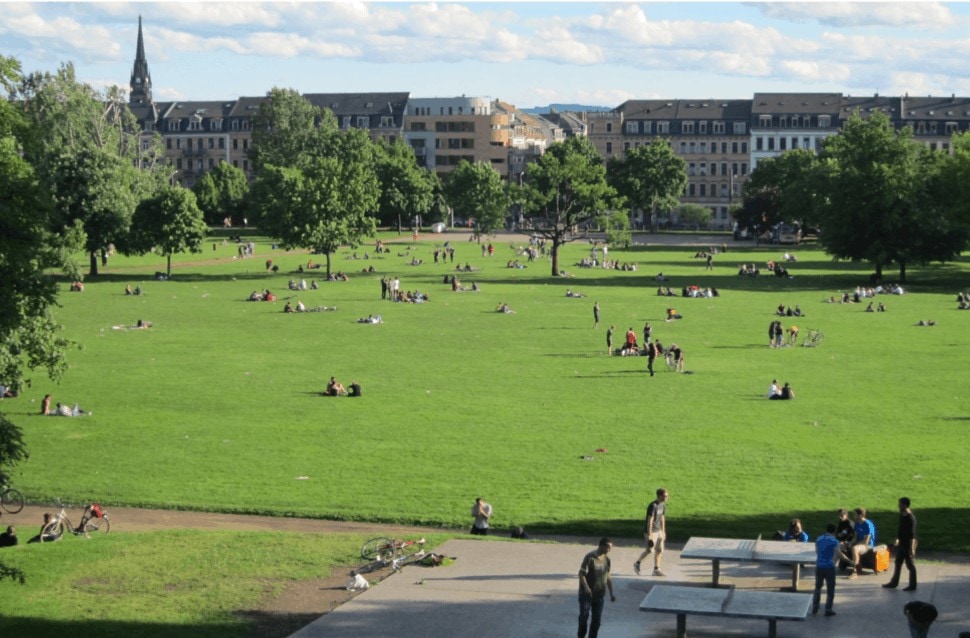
x,y
137,80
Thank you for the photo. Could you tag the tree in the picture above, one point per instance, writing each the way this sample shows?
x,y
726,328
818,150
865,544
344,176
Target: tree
x,y
875,199
316,186
476,191
325,202
617,226
406,190
651,178
84,145
169,223
564,189
287,128
781,189
694,214
221,193
29,255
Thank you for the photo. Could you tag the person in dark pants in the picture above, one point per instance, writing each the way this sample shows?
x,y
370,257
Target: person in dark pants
x,y
827,554
594,581
920,616
651,355
596,314
609,340
905,546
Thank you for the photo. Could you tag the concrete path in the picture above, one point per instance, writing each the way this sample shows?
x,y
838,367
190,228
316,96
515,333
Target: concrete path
x,y
499,588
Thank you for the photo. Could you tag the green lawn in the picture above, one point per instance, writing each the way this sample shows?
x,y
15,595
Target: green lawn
x,y
218,405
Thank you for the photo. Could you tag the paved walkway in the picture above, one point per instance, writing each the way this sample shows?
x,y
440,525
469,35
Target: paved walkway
x,y
499,588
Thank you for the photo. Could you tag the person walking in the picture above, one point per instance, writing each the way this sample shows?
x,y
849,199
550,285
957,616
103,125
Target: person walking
x,y
481,511
596,314
826,555
654,532
594,581
651,355
609,340
905,546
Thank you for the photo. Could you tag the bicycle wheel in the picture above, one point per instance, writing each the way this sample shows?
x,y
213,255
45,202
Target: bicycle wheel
x,y
53,531
12,500
378,549
96,524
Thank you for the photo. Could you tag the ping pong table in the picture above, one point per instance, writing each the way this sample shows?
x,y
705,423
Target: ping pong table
x,y
742,550
729,603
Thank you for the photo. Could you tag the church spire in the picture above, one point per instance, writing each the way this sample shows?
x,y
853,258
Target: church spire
x,y
141,79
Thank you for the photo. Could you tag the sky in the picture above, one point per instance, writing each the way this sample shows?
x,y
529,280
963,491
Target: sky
x,y
528,54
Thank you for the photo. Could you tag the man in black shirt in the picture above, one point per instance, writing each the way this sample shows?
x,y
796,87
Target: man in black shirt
x,y
905,546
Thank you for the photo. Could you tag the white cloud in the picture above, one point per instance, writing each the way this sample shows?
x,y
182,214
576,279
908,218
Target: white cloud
x,y
832,73
911,15
66,34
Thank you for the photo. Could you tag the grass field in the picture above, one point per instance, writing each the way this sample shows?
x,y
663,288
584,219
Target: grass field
x,y
218,406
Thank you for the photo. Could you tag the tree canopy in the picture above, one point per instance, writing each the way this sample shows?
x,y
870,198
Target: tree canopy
x,y
169,223
651,178
781,189
563,190
476,191
406,190
221,193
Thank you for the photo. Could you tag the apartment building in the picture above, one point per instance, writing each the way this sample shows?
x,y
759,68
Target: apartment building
x,y
786,121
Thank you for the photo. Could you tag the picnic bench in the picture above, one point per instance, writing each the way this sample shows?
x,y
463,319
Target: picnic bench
x,y
741,550
728,603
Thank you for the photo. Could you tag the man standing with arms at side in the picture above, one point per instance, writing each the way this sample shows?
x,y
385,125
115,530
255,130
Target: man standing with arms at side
x,y
826,554
594,581
655,532
596,314
905,546
609,341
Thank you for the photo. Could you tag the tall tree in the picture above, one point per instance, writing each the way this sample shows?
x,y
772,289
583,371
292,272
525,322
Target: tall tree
x,y
476,191
287,128
651,178
874,194
407,190
221,193
694,214
29,254
781,189
169,223
316,186
84,143
564,189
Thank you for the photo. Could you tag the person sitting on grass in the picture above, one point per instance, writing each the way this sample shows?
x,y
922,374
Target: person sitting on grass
x,y
335,388
354,389
787,394
672,314
288,307
9,537
774,390
48,533
504,308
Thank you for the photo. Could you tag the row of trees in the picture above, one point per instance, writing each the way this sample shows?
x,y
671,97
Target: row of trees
x,y
875,194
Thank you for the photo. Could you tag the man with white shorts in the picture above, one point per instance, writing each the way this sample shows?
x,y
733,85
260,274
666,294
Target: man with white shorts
x,y
655,532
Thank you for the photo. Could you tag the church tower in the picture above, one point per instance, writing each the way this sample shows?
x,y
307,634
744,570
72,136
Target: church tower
x,y
141,79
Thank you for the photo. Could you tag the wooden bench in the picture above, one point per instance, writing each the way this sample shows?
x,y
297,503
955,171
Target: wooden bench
x,y
730,603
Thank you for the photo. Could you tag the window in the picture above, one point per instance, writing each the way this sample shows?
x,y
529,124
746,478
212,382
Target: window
x,y
703,190
215,125
626,146
212,143
178,163
824,121
144,145
235,163
806,143
148,127
212,163
744,168
363,121
744,148
632,128
759,143
609,127
764,121
724,148
173,125
687,128
783,144
235,144
387,121
933,128
734,168
647,128
683,148
663,128
739,128
702,128
951,127
771,143
345,121
692,169
704,147
782,122
222,142
235,125
609,148
921,127
724,190
691,146
245,125
713,168
690,190
724,168
794,121
703,167
168,143
246,144
178,142
734,147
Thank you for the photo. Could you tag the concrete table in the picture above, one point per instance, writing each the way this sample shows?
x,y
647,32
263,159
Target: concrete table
x,y
731,603
741,550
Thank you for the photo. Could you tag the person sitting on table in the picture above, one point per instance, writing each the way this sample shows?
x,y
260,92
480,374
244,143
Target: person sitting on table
x,y
844,531
795,533
865,539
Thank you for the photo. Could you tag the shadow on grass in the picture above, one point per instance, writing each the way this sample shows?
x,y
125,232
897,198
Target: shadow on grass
x,y
43,628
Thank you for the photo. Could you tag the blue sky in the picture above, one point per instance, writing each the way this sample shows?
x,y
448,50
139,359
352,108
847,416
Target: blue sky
x,y
528,54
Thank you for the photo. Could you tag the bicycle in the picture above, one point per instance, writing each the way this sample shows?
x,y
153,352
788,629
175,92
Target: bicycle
x,y
10,499
398,553
814,338
94,519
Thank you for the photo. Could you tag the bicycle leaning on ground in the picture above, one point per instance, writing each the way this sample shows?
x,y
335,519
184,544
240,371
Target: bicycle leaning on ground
x,y
398,553
94,519
813,338
10,499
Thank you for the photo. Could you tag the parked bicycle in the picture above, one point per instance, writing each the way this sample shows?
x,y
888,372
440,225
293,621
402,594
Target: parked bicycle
x,y
10,499
814,338
398,553
94,519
